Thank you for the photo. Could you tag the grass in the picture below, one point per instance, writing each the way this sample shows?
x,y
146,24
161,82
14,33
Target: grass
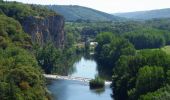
x,y
166,49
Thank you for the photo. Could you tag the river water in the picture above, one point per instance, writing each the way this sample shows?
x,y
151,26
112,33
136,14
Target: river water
x,y
75,90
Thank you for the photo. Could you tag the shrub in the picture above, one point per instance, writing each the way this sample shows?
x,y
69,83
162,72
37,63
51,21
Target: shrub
x,y
96,83
24,85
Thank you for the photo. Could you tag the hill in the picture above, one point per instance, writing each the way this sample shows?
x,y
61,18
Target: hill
x,y
32,18
20,73
78,13
145,15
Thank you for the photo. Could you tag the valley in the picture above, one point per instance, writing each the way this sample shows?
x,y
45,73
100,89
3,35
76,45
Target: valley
x,y
70,52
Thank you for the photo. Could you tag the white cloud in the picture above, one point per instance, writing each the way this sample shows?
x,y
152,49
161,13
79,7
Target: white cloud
x,y
110,6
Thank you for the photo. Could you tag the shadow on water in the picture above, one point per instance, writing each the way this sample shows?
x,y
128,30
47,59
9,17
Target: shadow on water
x,y
69,66
80,66
98,91
103,72
65,67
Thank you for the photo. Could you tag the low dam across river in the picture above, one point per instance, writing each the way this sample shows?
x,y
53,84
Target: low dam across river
x,y
82,79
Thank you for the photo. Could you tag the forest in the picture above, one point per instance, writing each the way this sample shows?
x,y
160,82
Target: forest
x,y
140,67
21,67
134,54
132,51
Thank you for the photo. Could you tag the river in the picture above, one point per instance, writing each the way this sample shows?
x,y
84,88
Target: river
x,y
75,90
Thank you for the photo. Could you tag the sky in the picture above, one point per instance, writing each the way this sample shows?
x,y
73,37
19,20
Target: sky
x,y
109,6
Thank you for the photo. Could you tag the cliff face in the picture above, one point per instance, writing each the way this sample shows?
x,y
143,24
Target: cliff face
x,y
43,30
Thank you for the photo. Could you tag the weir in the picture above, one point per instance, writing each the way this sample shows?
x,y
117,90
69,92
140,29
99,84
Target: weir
x,y
82,79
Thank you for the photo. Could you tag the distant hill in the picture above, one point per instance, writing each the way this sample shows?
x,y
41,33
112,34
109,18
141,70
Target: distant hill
x,y
145,15
78,13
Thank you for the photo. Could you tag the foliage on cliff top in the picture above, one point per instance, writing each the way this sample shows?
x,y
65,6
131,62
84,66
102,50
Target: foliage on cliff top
x,y
20,76
11,33
19,10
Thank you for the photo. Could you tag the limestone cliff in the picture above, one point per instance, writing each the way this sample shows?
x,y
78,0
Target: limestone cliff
x,y
44,29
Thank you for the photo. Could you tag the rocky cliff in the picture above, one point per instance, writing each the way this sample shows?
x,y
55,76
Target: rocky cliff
x,y
45,29
42,24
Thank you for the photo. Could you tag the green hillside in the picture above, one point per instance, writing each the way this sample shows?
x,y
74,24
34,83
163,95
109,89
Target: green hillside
x,y
20,10
20,75
144,15
78,13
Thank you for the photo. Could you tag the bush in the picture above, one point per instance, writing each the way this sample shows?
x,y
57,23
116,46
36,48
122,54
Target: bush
x,y
96,83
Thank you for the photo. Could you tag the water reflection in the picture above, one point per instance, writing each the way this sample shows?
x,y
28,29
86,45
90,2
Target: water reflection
x,y
86,68
104,73
80,66
65,67
74,90
98,91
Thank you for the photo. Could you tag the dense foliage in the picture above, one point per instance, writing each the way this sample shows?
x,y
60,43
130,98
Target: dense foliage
x,y
110,48
161,94
147,34
47,57
81,14
138,75
20,10
147,38
20,72
96,83
55,60
20,76
11,32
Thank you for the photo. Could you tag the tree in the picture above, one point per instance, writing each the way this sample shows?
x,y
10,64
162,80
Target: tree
x,y
21,77
161,94
110,48
138,74
48,57
147,38
150,78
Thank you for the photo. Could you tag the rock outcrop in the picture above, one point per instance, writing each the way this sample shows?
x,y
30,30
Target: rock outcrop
x,y
43,30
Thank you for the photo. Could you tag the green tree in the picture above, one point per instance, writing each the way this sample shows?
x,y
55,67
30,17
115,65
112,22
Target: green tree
x,y
47,57
149,79
161,94
131,79
110,48
147,38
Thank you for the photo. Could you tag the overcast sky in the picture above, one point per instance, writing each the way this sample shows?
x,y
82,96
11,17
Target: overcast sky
x,y
109,6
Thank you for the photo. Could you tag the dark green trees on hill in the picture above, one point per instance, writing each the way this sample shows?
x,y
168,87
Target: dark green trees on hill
x,y
20,75
82,14
110,48
47,57
135,76
55,60
147,38
149,78
11,32
20,10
